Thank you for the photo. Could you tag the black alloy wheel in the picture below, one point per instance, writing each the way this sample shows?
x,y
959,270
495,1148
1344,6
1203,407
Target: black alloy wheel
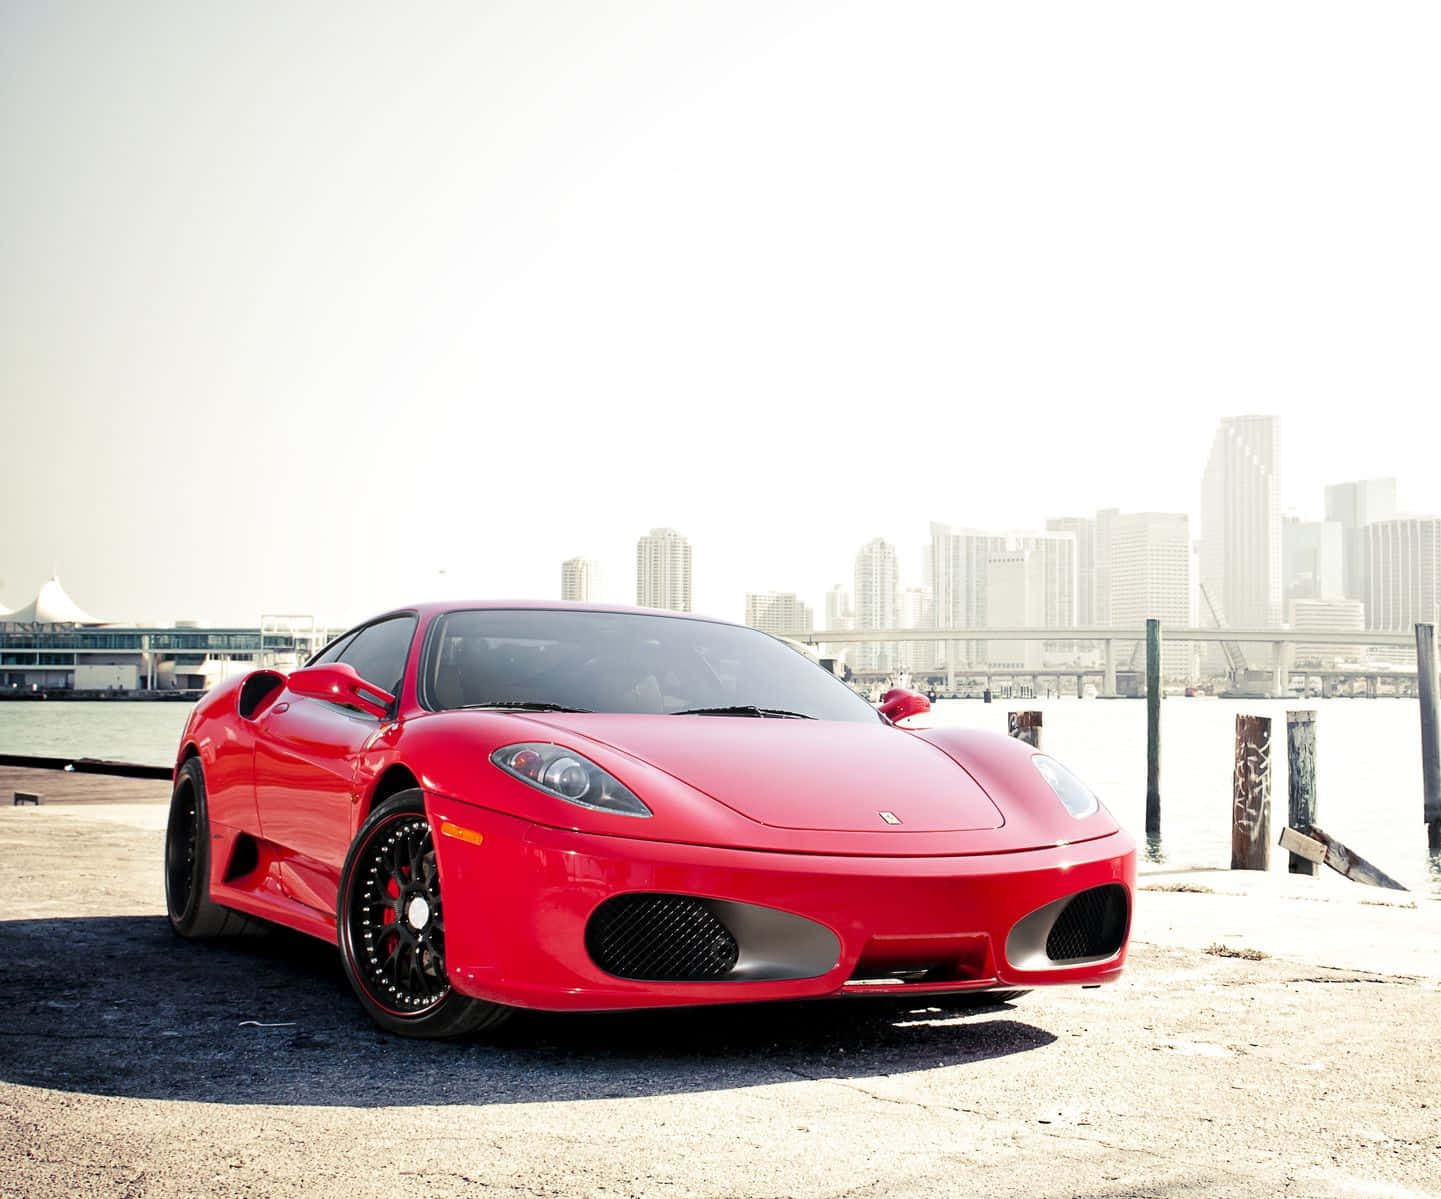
x,y
392,928
193,914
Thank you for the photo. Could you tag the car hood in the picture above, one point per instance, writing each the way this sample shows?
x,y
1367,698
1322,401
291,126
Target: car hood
x,y
801,774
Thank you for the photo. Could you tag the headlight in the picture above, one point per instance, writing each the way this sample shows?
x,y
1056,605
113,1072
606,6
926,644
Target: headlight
x,y
567,775
1079,799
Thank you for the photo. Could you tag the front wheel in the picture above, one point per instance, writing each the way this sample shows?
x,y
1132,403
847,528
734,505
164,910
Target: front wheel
x,y
193,914
391,925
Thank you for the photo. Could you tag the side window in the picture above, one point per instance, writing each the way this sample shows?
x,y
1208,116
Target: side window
x,y
378,652
334,652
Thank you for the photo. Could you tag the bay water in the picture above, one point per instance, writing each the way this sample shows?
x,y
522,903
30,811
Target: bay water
x,y
1368,760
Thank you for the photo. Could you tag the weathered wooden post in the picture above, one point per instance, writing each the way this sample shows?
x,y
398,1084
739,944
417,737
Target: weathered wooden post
x,y
1153,728
1301,771
1025,726
1430,747
1251,795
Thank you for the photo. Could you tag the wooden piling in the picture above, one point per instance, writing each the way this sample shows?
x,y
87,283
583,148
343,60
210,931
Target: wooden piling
x,y
1153,728
1430,746
1025,726
1301,771
1320,847
1251,795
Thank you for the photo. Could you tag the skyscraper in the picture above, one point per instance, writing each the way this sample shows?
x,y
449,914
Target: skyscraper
x,y
1402,564
839,611
1151,577
913,611
1105,521
1056,553
875,594
1328,614
1354,506
777,612
958,584
1312,551
1083,529
663,571
1241,522
1015,597
580,579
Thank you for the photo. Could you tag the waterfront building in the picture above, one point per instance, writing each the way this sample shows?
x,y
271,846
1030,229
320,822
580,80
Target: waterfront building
x,y
1105,523
778,612
958,586
1241,566
913,611
875,597
1151,578
1402,567
1083,530
1016,590
1353,506
580,580
1313,554
663,571
1056,552
47,646
51,605
840,613
1327,614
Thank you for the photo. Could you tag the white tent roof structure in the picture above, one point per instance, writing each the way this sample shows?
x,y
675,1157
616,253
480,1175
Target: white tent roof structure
x,y
51,606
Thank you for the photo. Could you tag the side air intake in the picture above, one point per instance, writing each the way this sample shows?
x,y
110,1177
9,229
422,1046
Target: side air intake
x,y
675,938
1091,925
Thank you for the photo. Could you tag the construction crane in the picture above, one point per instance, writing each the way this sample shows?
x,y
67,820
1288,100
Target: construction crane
x,y
1235,659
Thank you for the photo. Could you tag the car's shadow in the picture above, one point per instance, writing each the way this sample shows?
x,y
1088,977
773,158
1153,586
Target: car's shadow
x,y
118,1005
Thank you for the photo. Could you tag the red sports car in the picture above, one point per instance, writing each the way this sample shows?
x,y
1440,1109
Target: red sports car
x,y
489,806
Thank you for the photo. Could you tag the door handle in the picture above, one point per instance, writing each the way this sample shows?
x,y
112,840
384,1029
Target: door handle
x,y
279,708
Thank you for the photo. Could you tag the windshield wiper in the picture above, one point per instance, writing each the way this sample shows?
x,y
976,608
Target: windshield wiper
x,y
525,705
744,710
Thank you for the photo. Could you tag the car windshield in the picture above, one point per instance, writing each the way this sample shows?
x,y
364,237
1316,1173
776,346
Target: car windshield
x,y
625,662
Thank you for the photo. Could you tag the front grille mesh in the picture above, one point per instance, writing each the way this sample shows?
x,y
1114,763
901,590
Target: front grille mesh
x,y
1092,925
675,938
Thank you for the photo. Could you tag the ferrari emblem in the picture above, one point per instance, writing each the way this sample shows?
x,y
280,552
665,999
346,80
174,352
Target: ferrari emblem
x,y
890,818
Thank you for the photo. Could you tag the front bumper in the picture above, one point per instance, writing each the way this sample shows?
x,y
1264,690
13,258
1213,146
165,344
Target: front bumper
x,y
518,897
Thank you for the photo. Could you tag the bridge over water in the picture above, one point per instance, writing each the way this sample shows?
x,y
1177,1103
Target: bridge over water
x,y
1281,642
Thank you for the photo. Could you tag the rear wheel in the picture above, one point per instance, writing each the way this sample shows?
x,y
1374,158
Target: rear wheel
x,y
187,865
391,923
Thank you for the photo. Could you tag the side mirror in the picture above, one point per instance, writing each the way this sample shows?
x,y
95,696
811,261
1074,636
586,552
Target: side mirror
x,y
898,703
338,683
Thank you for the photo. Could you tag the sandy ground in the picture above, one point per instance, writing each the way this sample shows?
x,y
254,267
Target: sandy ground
x,y
129,1064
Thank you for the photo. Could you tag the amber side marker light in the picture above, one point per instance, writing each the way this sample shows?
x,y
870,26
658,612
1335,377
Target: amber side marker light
x,y
460,834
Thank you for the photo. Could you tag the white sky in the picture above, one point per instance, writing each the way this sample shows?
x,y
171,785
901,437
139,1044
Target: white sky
x,y
301,304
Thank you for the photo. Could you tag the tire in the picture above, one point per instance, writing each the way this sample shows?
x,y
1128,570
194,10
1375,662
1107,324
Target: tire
x,y
193,915
390,923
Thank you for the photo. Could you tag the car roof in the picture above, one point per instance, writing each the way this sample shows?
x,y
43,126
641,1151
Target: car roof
x,y
436,607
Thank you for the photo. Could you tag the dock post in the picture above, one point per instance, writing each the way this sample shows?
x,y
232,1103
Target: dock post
x,y
1251,795
1430,747
1025,726
1301,772
1153,728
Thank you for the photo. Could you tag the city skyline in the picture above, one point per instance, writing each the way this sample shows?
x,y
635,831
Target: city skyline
x,y
587,576
377,345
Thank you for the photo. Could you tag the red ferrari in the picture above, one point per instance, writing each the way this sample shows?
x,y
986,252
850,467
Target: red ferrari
x,y
492,806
